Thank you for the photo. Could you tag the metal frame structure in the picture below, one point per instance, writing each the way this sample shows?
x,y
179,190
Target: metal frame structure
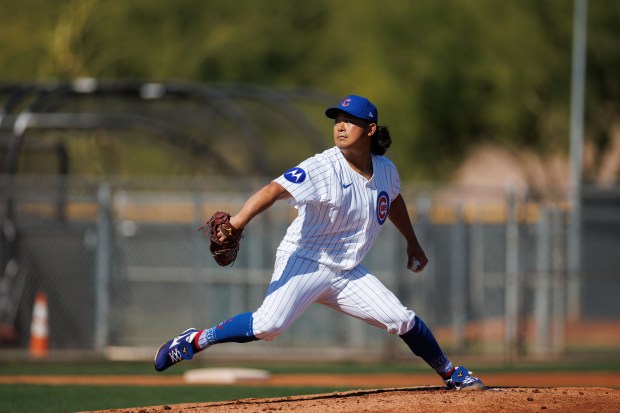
x,y
37,106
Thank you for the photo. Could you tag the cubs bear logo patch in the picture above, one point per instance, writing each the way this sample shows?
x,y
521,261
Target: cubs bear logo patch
x,y
383,207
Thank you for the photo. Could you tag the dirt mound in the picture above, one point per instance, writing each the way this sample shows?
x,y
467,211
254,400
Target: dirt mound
x,y
426,399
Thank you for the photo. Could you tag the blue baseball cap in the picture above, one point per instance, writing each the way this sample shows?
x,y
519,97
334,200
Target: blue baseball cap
x,y
357,106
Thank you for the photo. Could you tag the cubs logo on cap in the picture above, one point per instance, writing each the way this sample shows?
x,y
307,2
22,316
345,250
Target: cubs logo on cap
x,y
357,106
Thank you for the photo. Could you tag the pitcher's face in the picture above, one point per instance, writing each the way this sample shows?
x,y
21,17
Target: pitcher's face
x,y
350,131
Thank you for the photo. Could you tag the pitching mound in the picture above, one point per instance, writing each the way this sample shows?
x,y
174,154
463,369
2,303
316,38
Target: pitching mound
x,y
409,399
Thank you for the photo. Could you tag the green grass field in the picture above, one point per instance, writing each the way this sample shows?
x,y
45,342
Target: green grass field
x,y
47,399
72,398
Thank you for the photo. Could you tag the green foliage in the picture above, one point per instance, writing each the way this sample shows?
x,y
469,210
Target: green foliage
x,y
445,74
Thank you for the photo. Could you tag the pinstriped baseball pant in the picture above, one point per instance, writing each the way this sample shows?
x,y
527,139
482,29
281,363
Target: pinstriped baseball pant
x,y
298,282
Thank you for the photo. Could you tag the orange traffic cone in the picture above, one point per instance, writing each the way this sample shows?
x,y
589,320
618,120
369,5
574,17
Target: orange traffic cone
x,y
39,327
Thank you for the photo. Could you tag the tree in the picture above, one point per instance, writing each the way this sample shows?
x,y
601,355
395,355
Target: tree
x,y
445,75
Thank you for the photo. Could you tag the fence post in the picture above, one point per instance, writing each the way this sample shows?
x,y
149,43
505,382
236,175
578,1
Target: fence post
x,y
477,265
459,279
559,283
578,71
200,287
426,291
512,278
256,260
542,292
103,266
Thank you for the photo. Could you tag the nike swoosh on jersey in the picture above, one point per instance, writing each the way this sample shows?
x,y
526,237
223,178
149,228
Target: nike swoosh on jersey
x,y
345,186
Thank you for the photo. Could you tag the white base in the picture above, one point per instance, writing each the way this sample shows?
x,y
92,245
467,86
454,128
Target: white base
x,y
225,375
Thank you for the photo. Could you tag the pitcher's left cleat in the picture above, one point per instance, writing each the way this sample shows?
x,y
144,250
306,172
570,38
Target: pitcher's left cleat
x,y
462,379
175,350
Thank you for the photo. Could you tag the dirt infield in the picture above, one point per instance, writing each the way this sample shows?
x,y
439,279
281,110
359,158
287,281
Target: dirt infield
x,y
401,400
401,393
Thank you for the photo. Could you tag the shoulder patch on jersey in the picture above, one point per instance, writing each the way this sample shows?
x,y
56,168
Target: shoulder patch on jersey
x,y
383,207
295,175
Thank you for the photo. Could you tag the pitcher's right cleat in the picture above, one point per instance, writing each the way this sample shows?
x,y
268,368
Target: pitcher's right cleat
x,y
462,379
175,350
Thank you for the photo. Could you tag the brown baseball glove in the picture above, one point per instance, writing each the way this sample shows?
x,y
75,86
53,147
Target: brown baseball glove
x,y
224,252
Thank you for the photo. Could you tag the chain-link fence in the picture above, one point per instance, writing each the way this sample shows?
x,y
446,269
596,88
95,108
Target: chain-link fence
x,y
124,268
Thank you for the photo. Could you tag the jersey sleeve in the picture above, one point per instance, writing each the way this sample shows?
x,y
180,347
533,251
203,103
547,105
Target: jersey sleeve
x,y
393,179
308,182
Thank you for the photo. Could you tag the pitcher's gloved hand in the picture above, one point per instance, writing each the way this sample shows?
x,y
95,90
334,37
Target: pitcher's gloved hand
x,y
224,252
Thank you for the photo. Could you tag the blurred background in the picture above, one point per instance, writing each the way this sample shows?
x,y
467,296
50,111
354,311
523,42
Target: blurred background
x,y
124,125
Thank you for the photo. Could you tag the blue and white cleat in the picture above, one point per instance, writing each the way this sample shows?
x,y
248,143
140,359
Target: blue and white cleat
x,y
462,379
175,350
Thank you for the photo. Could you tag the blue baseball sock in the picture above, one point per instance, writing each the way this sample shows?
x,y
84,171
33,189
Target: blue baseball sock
x,y
237,329
421,341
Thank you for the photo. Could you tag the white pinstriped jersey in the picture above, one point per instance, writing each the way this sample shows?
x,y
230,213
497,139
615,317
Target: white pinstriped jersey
x,y
340,213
